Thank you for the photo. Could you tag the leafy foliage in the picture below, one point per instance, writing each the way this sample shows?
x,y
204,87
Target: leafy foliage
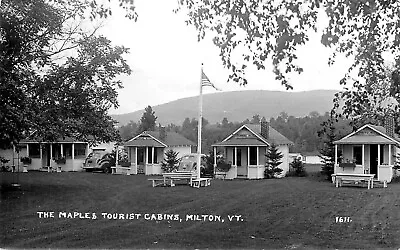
x,y
60,160
57,78
26,160
327,152
256,32
397,162
128,131
298,167
273,157
275,29
148,120
171,161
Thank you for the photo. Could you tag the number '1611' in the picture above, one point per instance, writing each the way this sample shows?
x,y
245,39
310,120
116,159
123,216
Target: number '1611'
x,y
339,219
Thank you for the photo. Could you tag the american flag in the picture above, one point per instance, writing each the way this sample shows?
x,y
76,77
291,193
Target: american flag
x,y
206,82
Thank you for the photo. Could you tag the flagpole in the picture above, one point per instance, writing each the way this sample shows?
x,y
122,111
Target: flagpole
x,y
200,124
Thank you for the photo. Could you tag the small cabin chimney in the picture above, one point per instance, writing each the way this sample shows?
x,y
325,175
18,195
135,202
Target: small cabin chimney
x,y
389,125
163,134
265,129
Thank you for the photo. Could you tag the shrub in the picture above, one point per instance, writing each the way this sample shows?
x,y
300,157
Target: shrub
x,y
60,160
209,163
298,169
273,161
26,160
397,162
223,166
171,161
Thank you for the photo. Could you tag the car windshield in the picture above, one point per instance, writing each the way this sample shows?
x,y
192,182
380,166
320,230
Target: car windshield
x,y
188,157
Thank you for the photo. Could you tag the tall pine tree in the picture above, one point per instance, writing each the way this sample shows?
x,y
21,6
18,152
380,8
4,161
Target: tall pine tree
x,y
171,161
148,120
273,157
327,152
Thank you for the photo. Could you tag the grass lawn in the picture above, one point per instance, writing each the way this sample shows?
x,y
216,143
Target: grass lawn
x,y
285,213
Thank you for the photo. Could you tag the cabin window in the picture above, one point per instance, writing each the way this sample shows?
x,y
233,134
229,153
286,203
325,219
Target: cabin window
x,y
67,150
155,156
357,154
79,150
253,155
239,157
149,155
34,150
233,157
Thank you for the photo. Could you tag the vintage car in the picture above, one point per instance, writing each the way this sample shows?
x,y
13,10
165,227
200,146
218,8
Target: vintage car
x,y
189,162
99,160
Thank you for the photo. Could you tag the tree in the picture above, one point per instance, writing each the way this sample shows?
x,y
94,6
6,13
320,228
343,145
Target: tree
x,y
273,157
128,131
57,78
275,29
255,119
250,32
225,122
327,152
397,162
148,120
171,161
298,167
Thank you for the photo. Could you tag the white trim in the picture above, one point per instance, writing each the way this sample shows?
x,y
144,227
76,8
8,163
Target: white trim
x,y
73,152
48,142
258,162
238,145
145,133
244,126
51,154
363,157
336,153
27,150
136,156
235,156
369,126
215,159
390,157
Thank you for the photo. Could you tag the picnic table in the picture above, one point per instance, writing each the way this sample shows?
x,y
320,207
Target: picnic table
x,y
339,178
168,179
115,170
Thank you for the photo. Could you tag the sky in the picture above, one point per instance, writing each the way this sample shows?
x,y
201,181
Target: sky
x,y
165,58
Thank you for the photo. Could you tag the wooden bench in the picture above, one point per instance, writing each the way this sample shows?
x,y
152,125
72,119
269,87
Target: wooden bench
x,y
223,174
341,178
162,182
180,175
202,182
114,170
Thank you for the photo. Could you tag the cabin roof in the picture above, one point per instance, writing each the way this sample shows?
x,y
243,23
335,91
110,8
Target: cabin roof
x,y
153,139
258,140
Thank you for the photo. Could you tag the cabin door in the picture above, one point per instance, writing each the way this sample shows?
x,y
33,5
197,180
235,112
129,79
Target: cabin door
x,y
373,164
241,168
140,160
45,155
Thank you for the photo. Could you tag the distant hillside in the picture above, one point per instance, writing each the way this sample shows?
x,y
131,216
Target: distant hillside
x,y
238,105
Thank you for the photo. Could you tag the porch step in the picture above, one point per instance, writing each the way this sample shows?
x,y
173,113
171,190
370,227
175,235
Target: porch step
x,y
379,184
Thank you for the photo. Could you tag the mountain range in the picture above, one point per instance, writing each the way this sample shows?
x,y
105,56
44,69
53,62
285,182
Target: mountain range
x,y
238,106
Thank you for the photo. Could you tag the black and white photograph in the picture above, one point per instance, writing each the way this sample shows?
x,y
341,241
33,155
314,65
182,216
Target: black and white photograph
x,y
200,124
